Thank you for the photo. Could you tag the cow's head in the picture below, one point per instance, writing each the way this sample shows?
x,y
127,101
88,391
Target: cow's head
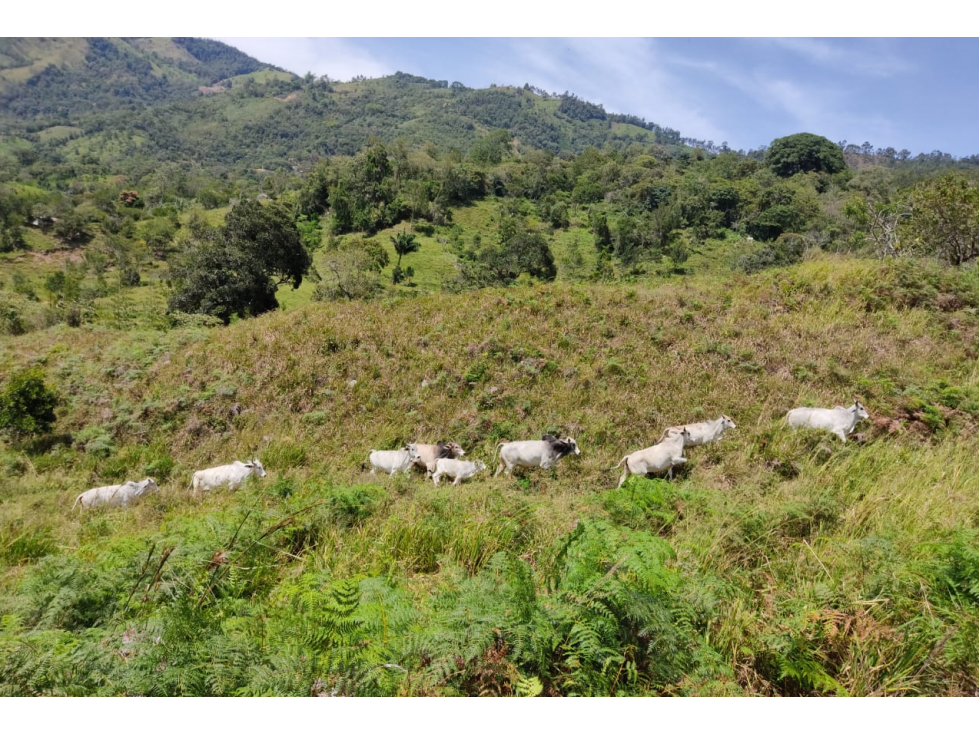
x,y
412,449
449,450
726,422
148,485
565,446
861,411
256,467
479,465
681,433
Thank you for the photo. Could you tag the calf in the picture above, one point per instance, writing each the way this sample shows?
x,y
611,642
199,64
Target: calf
x,y
839,420
229,475
458,469
703,432
544,453
393,461
429,453
656,459
115,495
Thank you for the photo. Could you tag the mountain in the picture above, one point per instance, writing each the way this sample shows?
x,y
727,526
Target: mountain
x,y
63,79
106,106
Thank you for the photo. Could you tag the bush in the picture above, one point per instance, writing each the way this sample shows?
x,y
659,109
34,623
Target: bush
x,y
27,404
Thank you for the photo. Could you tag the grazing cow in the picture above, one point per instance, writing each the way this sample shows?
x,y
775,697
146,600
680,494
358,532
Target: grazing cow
x,y
458,469
544,453
116,495
656,459
703,432
429,453
838,420
230,475
393,461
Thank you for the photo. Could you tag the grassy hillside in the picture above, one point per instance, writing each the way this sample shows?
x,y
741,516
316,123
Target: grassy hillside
x,y
777,563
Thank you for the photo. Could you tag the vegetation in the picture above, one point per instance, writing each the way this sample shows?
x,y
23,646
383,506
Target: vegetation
x,y
573,272
804,153
27,404
232,270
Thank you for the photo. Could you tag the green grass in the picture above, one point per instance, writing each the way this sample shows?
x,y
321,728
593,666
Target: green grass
x,y
778,562
57,133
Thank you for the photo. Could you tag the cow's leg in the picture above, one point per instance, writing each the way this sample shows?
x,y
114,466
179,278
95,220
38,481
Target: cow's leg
x,y
625,474
435,478
458,480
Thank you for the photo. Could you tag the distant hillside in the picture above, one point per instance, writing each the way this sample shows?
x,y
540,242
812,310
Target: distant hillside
x,y
137,101
41,77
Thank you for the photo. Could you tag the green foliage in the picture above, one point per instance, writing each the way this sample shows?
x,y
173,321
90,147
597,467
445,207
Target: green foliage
x,y
349,506
27,404
404,244
802,153
786,250
944,219
352,271
230,271
645,504
491,149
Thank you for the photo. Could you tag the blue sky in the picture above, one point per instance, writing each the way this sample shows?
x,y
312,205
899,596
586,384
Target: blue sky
x,y
919,94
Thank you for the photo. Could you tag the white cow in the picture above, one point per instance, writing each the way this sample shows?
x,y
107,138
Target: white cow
x,y
229,475
429,453
115,495
656,459
544,453
458,469
838,420
703,432
393,461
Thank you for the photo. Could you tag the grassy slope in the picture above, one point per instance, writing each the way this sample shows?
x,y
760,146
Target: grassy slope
x,y
787,520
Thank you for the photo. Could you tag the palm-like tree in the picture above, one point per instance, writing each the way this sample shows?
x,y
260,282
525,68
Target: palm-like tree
x,y
404,244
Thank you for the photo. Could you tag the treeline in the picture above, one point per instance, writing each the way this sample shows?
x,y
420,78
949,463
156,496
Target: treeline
x,y
642,208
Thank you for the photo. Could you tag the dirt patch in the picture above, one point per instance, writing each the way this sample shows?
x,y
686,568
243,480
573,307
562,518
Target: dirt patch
x,y
56,257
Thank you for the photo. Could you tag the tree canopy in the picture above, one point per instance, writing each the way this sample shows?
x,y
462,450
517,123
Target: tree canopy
x,y
27,404
802,153
236,270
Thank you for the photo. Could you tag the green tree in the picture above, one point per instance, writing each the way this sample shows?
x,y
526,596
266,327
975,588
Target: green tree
x,y
27,404
269,233
352,271
678,250
804,152
944,218
404,244
600,228
236,270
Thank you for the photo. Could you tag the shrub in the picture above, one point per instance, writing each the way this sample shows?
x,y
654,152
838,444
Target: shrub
x,y
27,404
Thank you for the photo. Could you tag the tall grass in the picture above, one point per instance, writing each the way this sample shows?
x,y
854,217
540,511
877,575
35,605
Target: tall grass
x,y
778,562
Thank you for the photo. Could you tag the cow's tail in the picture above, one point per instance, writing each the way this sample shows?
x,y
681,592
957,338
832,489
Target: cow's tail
x,y
623,461
363,464
497,449
77,500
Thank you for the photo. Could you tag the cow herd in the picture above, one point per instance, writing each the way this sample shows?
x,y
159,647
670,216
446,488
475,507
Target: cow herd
x,y
442,458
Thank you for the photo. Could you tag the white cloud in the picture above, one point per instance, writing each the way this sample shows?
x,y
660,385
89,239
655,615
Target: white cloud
x,y
623,74
878,60
339,58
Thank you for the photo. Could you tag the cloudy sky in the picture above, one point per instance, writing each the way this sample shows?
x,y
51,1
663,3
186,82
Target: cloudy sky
x,y
919,94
